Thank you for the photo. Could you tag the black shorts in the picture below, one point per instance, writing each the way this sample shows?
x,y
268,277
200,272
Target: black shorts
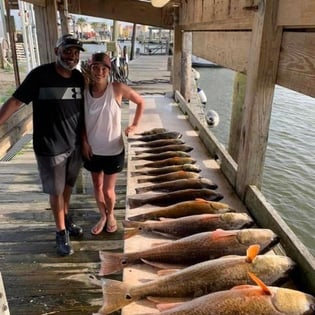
x,y
108,164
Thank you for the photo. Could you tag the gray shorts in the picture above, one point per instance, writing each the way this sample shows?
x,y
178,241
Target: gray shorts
x,y
59,171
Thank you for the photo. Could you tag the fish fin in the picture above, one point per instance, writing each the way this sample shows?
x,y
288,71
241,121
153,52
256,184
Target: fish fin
x,y
166,272
141,190
219,233
252,252
130,233
115,296
136,173
111,262
160,265
142,180
130,224
168,302
260,283
201,200
161,243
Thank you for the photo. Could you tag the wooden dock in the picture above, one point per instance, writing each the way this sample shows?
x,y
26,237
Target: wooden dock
x,y
37,281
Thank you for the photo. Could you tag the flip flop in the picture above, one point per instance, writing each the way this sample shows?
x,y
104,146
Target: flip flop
x,y
111,228
98,228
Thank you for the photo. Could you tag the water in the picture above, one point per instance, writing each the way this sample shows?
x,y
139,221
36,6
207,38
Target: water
x,y
290,158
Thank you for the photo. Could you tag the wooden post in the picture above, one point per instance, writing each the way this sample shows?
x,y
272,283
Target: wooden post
x,y
186,66
64,17
177,56
47,31
237,112
261,79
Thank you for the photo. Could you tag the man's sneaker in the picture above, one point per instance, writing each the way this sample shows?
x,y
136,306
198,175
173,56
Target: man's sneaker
x,y
63,243
72,228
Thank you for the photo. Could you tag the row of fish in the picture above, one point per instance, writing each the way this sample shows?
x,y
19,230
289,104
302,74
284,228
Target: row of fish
x,y
214,260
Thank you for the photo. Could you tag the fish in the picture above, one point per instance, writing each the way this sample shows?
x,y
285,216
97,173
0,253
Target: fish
x,y
177,160
184,208
200,279
157,136
157,143
160,156
168,169
168,177
166,199
192,249
171,147
184,226
245,299
179,184
153,131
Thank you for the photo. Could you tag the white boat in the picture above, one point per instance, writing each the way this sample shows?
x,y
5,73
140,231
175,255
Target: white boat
x,y
199,62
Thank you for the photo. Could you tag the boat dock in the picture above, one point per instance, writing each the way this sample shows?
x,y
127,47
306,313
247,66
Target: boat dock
x,y
38,282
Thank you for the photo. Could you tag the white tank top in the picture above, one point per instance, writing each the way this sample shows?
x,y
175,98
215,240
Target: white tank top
x,y
103,122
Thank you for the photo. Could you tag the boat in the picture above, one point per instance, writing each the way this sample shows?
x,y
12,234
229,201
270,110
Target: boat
x,y
199,62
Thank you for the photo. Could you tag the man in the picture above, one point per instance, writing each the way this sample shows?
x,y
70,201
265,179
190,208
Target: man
x,y
56,93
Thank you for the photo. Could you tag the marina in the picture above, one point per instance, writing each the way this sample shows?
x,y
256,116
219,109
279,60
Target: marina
x,y
35,281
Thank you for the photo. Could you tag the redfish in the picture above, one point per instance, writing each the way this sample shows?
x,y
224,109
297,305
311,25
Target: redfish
x,y
192,249
160,156
153,131
171,147
169,177
177,160
189,225
166,199
200,279
168,169
163,135
184,208
247,300
158,143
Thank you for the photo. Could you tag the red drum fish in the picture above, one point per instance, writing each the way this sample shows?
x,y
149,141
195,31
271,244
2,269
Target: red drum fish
x,y
189,225
166,199
153,131
184,208
171,147
168,169
200,279
246,300
179,184
163,135
160,156
169,177
177,160
192,249
158,143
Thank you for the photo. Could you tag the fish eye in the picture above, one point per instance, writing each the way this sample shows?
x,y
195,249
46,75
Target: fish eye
x,y
128,297
124,262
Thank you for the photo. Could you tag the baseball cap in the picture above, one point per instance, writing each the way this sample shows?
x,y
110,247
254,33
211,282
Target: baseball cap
x,y
68,40
101,58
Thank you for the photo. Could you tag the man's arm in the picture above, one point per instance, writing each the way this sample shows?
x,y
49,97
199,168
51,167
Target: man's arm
x,y
9,108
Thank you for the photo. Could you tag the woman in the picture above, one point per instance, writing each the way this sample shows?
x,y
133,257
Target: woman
x,y
104,148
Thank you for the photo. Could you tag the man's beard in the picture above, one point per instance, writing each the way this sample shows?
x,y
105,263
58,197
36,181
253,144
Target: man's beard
x,y
65,65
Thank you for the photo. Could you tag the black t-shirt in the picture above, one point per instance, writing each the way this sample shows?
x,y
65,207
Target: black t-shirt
x,y
58,108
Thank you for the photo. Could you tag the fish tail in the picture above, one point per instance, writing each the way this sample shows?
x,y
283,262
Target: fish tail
x,y
141,190
142,180
130,233
134,203
110,263
137,173
115,296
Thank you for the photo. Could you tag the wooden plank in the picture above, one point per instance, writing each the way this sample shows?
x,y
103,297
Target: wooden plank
x,y
297,62
261,79
228,49
123,10
199,15
294,13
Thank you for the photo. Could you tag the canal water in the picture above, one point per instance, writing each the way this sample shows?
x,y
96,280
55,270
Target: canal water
x,y
289,173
